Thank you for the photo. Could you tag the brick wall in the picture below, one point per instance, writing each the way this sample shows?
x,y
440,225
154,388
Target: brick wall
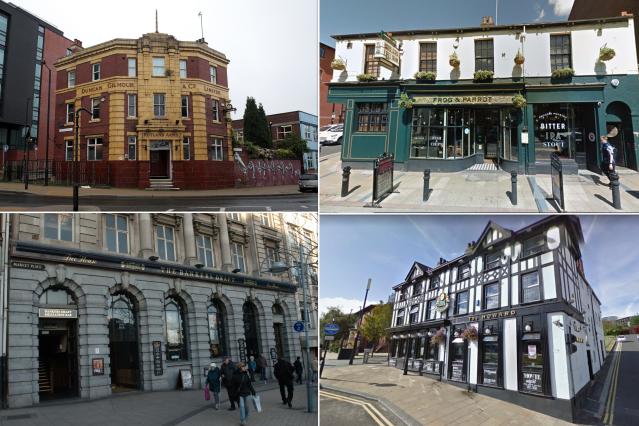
x,y
326,75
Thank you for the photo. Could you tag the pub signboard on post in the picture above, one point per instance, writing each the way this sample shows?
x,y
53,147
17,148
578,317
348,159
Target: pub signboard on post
x,y
241,345
383,170
557,178
157,358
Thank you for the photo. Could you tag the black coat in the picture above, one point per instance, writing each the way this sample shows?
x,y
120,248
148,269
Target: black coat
x,y
227,373
241,384
298,366
283,371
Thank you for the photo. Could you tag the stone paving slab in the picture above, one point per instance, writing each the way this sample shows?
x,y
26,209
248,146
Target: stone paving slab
x,y
474,191
429,401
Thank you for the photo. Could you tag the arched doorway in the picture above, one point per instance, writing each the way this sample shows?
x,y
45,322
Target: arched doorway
x,y
251,329
620,134
279,331
123,344
216,315
57,344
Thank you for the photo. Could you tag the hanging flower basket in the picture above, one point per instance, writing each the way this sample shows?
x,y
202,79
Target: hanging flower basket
x,y
519,58
483,75
563,73
470,333
454,61
425,76
519,101
338,64
405,102
606,53
366,77
438,337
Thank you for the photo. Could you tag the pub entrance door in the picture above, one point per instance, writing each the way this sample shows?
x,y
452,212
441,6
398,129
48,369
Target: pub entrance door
x,y
160,159
487,132
58,359
458,360
123,345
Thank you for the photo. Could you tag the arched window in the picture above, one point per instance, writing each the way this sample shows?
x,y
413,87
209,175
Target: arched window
x,y
175,331
123,343
251,331
217,329
278,329
56,296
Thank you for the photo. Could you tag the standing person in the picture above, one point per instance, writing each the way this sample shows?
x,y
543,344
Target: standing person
x,y
261,363
608,164
213,381
298,370
227,378
242,387
314,367
283,371
252,367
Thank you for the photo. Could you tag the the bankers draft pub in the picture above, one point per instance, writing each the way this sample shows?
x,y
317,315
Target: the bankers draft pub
x,y
512,317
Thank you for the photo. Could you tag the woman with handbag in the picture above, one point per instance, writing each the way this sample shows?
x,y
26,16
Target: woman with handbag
x,y
243,390
213,383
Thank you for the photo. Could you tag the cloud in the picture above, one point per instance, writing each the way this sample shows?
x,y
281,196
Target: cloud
x,y
341,302
541,13
561,7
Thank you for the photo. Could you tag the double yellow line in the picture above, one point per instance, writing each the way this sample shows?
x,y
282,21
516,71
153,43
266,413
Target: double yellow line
x,y
368,407
610,404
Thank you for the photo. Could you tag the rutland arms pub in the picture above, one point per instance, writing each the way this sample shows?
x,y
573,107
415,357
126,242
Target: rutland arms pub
x,y
509,95
513,317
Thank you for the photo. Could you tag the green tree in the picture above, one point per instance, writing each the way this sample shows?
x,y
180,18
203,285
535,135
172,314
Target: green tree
x,y
251,121
296,145
634,320
375,325
344,321
266,138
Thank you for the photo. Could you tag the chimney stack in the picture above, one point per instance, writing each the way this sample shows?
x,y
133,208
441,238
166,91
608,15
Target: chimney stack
x,y
487,22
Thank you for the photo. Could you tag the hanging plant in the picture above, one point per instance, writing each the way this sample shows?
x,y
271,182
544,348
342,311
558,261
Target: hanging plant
x,y
405,102
519,58
563,73
606,53
438,337
469,333
338,64
425,75
519,101
454,61
483,75
366,77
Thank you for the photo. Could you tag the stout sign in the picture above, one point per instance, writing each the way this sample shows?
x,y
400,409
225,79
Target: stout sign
x,y
531,382
490,374
458,371
557,178
383,169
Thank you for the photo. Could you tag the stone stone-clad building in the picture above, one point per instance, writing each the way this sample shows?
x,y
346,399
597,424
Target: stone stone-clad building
x,y
513,317
100,303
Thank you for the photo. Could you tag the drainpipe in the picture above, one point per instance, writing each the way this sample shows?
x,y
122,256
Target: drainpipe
x,y
4,320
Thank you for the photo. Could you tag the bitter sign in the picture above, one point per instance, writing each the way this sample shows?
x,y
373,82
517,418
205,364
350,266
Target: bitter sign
x,y
331,329
298,326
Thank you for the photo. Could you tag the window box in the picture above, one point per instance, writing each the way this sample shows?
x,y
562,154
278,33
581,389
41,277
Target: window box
x,y
483,75
366,77
563,73
425,76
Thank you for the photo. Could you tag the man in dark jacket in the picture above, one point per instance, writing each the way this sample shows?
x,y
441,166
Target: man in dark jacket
x,y
242,388
298,370
283,372
608,164
261,365
227,378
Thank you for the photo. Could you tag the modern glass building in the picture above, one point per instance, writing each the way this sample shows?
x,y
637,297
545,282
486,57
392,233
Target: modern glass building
x,y
508,94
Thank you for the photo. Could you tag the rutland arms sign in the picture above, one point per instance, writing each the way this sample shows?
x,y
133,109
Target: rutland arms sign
x,y
469,99
386,51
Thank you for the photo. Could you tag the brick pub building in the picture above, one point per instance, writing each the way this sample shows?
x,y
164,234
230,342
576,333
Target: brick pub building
x,y
329,113
158,114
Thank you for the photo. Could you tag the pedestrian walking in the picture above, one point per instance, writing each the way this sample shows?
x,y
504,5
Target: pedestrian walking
x,y
608,164
243,388
252,367
314,368
299,369
261,363
227,371
283,372
213,378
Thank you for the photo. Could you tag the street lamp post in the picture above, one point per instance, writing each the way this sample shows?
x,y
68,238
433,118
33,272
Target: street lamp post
x,y
46,157
76,158
27,140
361,317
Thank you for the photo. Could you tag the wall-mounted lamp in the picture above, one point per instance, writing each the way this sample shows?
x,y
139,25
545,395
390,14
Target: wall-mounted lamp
x,y
153,258
199,265
528,328
558,323
487,330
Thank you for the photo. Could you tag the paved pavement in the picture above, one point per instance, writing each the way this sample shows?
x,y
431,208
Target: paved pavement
x,y
13,197
426,400
473,191
183,408
623,403
329,149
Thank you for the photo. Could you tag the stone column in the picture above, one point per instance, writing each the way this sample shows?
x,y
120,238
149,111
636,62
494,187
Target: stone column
x,y
146,235
225,244
189,240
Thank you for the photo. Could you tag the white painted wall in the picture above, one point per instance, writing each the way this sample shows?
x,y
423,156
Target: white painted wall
x,y
510,353
535,45
559,375
548,277
473,354
504,292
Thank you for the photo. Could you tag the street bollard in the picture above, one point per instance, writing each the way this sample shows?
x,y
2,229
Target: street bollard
x,y
513,191
345,178
614,185
426,184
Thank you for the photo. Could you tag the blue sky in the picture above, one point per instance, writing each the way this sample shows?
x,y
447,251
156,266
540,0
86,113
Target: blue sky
x,y
355,248
363,16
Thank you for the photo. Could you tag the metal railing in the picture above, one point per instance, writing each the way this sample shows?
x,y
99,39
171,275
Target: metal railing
x,y
91,173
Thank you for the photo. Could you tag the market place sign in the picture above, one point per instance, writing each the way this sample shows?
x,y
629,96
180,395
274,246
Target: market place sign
x,y
464,100
495,315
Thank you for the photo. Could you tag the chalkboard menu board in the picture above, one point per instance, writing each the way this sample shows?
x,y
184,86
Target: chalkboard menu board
x,y
532,381
490,374
557,179
458,371
186,378
382,177
241,345
157,358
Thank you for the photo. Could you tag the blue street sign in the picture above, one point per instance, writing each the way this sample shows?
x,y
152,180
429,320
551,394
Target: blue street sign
x,y
331,329
298,326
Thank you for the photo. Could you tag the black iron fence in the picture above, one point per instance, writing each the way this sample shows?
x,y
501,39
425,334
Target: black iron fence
x,y
59,172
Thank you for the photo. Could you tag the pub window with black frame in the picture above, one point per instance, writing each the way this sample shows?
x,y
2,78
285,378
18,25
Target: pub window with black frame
x,y
534,245
530,289
490,354
491,296
430,310
400,318
372,117
414,314
400,348
560,51
461,304
217,328
434,283
175,331
371,64
484,55
532,358
428,57
458,355
493,260
417,289
464,272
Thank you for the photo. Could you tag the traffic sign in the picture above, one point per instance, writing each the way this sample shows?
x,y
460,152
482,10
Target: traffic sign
x,y
331,329
298,326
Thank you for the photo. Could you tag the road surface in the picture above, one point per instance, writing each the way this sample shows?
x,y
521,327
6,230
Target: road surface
x,y
623,406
